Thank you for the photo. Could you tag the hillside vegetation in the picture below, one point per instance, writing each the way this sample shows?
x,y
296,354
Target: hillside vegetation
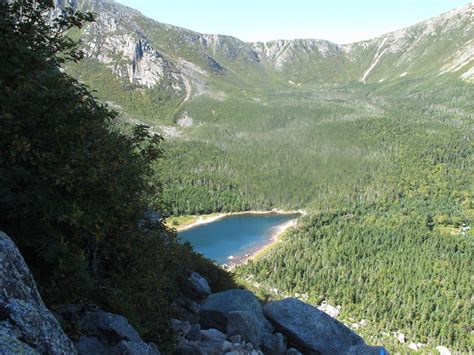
x,y
74,190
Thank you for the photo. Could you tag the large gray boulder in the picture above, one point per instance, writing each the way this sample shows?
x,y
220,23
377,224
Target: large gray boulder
x,y
243,323
26,322
11,345
194,333
215,346
108,333
110,327
214,311
125,347
211,334
188,350
180,327
273,344
310,329
199,287
90,345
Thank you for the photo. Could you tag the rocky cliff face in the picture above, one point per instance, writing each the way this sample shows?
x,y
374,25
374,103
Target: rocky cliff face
x,y
148,54
283,52
234,322
26,325
438,46
118,42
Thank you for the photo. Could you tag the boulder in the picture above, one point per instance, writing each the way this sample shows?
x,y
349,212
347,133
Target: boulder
x,y
273,344
187,304
215,309
125,347
199,287
293,351
330,310
212,334
11,345
180,327
27,324
194,333
244,323
108,333
443,350
186,309
236,339
90,345
215,346
188,350
310,329
111,328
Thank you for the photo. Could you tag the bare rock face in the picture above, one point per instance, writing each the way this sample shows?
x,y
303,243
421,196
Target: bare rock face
x,y
215,310
314,331
199,287
274,344
134,348
244,324
234,322
90,345
26,326
9,342
110,326
105,333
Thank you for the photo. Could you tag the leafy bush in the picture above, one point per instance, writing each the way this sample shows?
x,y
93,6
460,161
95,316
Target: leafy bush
x,y
74,189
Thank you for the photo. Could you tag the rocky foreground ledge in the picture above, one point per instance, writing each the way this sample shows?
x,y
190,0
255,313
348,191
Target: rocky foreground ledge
x,y
232,322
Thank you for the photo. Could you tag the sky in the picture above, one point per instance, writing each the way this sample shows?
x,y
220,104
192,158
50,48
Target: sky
x,y
340,21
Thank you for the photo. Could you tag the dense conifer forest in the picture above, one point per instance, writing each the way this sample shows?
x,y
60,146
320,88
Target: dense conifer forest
x,y
387,181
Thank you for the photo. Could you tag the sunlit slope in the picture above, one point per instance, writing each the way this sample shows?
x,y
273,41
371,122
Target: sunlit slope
x,y
165,67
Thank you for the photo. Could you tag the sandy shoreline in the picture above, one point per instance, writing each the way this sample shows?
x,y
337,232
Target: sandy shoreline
x,y
259,250
276,233
204,220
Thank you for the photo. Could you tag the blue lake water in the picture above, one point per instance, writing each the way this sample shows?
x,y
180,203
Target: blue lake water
x,y
234,235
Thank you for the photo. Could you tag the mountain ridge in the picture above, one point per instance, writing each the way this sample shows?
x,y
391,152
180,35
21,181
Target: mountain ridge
x,y
171,26
324,60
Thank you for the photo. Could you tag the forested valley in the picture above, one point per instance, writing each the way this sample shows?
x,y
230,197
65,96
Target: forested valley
x,y
386,177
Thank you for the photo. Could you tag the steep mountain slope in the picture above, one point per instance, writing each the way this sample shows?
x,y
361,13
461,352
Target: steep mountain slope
x,y
146,54
440,45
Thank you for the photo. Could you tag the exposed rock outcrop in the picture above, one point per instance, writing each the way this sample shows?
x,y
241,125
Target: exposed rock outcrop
x,y
215,310
103,332
443,350
314,331
199,286
26,325
274,344
244,324
149,54
108,325
233,322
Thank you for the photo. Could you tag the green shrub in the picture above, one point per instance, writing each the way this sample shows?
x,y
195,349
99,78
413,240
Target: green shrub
x,y
74,189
